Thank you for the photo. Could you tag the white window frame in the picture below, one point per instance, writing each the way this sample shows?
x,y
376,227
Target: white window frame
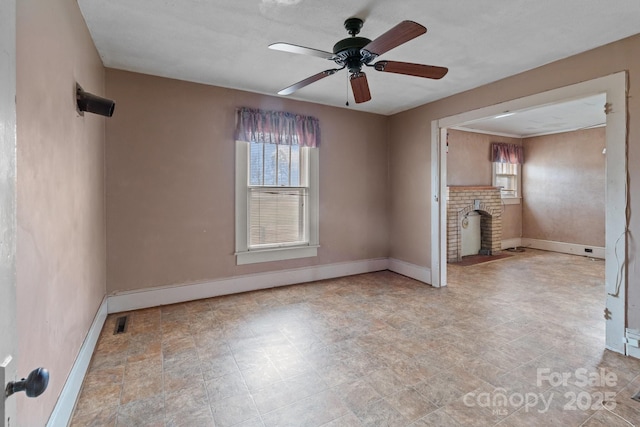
x,y
277,253
509,200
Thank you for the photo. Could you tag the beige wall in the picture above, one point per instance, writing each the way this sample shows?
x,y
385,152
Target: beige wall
x,y
469,157
410,134
469,163
60,197
563,173
410,187
512,221
170,182
563,187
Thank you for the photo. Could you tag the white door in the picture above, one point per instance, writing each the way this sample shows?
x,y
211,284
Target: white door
x,y
8,336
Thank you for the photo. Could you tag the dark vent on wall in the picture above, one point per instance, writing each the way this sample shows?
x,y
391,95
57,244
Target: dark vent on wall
x,y
121,325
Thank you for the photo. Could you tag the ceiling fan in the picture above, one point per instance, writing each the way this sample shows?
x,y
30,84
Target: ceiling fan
x,y
355,52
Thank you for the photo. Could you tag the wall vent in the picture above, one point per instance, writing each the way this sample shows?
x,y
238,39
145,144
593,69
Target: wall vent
x,y
121,325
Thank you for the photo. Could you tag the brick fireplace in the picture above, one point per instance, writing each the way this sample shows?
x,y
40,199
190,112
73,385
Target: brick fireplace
x,y
485,200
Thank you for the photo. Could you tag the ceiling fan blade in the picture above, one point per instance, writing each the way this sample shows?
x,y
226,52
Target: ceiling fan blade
x,y
401,33
292,48
302,83
418,70
360,87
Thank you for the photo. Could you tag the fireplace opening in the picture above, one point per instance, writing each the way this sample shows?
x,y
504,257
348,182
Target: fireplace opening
x,y
470,234
464,204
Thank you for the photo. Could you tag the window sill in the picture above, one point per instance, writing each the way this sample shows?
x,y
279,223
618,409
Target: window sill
x,y
275,254
511,200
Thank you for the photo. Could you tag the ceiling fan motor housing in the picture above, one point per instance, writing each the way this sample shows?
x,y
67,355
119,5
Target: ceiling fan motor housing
x,y
348,52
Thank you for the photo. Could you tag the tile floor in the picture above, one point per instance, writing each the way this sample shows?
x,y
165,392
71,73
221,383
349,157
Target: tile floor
x,y
374,350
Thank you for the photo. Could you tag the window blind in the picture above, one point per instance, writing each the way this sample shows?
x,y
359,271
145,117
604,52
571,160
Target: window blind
x,y
276,216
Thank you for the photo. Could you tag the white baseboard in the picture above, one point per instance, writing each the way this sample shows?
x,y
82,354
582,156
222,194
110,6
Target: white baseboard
x,y
62,412
512,243
416,272
567,248
633,352
632,336
153,297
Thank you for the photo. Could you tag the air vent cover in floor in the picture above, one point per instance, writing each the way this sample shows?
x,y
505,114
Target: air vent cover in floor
x,y
121,325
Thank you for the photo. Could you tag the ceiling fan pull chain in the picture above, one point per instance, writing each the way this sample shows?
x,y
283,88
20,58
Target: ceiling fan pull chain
x,y
347,103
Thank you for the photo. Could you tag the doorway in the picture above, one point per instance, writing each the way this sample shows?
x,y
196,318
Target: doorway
x,y
614,86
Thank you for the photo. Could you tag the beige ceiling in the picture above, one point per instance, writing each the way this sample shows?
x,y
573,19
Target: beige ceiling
x,y
224,43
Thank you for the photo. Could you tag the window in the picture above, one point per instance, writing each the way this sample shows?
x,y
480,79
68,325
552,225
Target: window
x,y
506,160
278,187
507,177
276,190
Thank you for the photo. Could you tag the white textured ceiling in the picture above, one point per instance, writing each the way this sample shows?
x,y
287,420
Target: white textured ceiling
x,y
565,116
224,42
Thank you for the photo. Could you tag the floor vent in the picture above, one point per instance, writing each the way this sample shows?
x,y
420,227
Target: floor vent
x,y
121,325
636,397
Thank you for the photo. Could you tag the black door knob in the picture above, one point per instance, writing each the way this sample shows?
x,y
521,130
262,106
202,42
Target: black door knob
x,y
34,385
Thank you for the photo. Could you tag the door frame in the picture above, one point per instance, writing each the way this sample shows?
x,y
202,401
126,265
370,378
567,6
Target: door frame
x,y
8,227
615,86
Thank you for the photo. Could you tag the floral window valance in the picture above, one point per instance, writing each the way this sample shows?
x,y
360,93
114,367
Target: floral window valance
x,y
506,153
276,127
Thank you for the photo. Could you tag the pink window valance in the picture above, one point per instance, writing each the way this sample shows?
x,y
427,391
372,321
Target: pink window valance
x,y
276,127
506,153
